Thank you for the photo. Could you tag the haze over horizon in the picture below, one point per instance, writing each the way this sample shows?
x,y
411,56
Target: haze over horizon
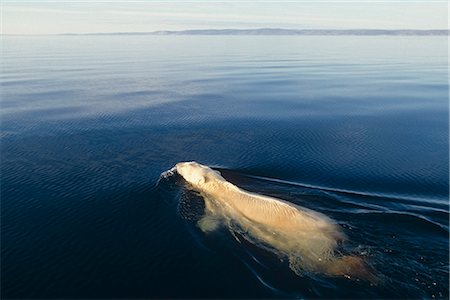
x,y
52,17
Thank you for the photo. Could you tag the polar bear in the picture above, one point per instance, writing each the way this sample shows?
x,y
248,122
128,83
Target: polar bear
x,y
307,238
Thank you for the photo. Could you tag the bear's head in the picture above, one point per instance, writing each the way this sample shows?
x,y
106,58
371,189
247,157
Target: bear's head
x,y
199,176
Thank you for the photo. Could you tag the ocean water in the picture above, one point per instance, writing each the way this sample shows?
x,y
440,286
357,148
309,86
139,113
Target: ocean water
x,y
353,127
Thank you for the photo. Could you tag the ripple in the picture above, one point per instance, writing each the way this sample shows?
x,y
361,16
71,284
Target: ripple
x,y
392,197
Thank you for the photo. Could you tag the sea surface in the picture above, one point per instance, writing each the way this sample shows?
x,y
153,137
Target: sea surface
x,y
353,127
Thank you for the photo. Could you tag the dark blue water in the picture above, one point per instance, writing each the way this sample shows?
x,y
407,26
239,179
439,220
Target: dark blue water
x,y
353,127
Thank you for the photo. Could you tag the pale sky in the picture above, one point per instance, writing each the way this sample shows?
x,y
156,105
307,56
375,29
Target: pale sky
x,y
82,16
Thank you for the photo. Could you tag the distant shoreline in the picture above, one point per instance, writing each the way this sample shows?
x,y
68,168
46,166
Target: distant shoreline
x,y
273,31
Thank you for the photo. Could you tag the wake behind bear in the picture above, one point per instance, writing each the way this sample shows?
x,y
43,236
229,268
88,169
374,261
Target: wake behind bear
x,y
307,238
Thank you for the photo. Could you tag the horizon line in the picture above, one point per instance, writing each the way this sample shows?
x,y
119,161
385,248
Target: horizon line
x,y
253,31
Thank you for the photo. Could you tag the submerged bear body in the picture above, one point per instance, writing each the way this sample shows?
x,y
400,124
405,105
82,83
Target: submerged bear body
x,y
307,238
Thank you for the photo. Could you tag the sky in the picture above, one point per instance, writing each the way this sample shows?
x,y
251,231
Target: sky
x,y
83,16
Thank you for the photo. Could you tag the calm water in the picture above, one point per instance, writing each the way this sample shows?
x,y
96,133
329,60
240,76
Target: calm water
x,y
353,127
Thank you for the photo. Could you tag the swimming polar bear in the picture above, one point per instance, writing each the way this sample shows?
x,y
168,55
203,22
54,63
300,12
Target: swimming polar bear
x,y
307,238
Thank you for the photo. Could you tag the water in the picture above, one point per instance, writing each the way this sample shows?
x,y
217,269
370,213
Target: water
x,y
353,127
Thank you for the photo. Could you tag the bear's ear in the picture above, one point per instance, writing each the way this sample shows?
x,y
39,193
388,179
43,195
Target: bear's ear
x,y
201,179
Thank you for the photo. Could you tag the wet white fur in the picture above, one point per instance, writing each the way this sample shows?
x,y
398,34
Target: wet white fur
x,y
307,238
